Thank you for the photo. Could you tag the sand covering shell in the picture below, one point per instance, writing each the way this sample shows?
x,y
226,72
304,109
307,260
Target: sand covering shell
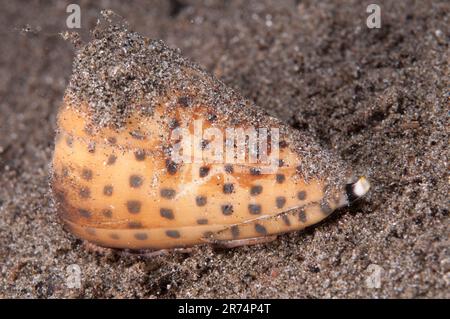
x,y
117,183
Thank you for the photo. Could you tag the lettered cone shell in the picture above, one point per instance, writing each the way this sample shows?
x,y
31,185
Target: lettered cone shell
x,y
117,182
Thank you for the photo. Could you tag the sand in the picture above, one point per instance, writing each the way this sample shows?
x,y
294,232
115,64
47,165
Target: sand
x,y
377,98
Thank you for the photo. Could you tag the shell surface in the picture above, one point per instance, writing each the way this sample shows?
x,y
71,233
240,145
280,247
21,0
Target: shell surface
x,y
115,178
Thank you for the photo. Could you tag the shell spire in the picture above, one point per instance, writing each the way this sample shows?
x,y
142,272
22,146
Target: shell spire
x,y
153,152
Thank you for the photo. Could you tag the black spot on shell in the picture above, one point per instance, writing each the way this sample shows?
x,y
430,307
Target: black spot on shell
x,y
234,231
280,178
204,144
134,224
111,159
260,229
229,169
135,181
166,213
139,155
85,192
114,236
84,213
168,193
91,147
134,206
256,190
280,163
228,188
108,190
203,171
254,209
173,233
283,144
227,209
302,215
202,221
200,200
140,236
171,167
255,171
301,195
107,213
280,201
86,174
286,220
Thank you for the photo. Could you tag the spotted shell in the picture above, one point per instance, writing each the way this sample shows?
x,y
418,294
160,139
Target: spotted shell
x,y
117,187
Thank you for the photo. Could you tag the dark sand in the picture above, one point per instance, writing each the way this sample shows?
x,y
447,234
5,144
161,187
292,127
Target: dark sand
x,y
378,98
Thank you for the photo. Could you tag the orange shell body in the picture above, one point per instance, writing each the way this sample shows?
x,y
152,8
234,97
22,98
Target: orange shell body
x,y
118,188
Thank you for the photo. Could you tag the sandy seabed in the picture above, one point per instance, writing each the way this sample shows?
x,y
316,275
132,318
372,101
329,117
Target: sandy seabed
x,y
377,97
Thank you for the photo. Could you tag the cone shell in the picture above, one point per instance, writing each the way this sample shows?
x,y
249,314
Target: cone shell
x,y
118,185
